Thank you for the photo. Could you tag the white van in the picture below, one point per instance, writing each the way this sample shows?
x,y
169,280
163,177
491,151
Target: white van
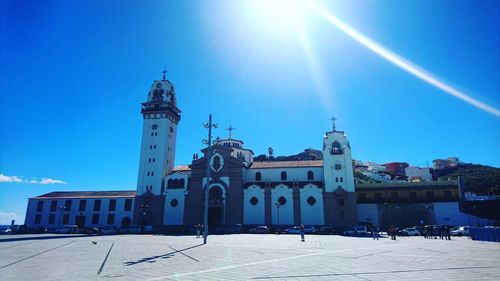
x,y
359,230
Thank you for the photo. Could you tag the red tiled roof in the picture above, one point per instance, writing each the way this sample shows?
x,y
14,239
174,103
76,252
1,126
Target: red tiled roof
x,y
287,164
182,168
87,194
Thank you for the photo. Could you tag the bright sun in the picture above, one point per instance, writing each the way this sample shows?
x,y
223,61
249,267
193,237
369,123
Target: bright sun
x,y
278,15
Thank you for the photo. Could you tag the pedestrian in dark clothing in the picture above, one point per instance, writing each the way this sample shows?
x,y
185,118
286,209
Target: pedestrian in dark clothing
x,y
448,233
375,232
302,232
392,231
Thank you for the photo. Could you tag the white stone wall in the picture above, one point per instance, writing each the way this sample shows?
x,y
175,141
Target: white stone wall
x,y
119,212
449,213
417,172
157,152
254,214
285,211
311,214
174,215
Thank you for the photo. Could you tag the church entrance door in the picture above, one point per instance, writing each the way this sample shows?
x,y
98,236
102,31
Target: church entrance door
x,y
214,216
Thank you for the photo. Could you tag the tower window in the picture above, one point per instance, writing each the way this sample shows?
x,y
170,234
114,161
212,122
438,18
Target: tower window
x,y
153,160
156,134
151,147
258,176
310,175
149,160
336,179
341,180
171,129
283,176
151,133
148,174
152,173
154,146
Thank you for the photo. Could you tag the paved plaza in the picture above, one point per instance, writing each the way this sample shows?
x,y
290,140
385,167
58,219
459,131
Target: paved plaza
x,y
245,257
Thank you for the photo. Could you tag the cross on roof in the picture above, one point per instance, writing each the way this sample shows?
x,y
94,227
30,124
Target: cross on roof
x,y
164,73
230,129
333,122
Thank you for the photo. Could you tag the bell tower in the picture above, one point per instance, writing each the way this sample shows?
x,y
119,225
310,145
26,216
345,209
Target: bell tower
x,y
339,194
159,131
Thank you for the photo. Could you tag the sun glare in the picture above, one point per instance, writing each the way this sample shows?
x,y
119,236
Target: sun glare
x,y
278,15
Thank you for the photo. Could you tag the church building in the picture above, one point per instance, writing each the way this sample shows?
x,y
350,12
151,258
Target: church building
x,y
240,190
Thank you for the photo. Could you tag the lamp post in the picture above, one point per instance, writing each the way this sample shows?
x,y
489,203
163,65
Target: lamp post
x,y
208,142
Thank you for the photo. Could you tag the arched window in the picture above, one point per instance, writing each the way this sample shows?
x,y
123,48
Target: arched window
x,y
181,183
341,179
283,176
176,183
336,179
258,176
310,175
170,183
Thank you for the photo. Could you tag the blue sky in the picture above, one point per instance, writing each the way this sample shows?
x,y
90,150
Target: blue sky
x,y
73,74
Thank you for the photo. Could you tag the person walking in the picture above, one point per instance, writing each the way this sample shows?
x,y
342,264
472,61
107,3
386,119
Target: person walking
x,y
302,232
375,232
392,231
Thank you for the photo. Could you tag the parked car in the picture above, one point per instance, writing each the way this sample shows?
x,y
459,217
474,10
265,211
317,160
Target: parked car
x,y
325,230
110,229
310,229
410,231
262,229
91,230
359,230
293,230
5,230
134,230
228,229
67,229
461,231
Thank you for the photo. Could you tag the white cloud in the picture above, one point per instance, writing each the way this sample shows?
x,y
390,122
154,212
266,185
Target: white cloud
x,y
7,217
4,178
50,181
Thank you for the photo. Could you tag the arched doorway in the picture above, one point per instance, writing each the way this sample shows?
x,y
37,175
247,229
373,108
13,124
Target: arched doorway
x,y
126,222
215,206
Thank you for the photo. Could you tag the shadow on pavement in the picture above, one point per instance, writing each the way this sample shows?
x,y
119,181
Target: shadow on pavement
x,y
164,256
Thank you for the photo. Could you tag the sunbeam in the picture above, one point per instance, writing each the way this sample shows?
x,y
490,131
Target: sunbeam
x,y
401,62
315,67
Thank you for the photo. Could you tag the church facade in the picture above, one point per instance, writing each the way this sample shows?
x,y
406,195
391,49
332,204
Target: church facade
x,y
241,190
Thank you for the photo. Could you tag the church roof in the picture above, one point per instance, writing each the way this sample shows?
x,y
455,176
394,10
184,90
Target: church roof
x,y
287,164
87,194
182,168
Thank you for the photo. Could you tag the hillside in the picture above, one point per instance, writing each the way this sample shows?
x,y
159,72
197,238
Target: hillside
x,y
483,180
